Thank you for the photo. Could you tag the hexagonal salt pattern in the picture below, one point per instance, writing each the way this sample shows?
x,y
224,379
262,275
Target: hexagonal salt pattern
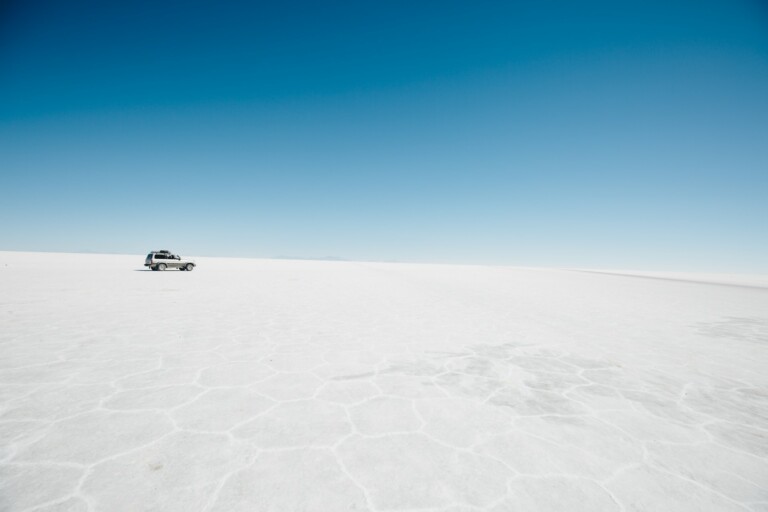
x,y
257,385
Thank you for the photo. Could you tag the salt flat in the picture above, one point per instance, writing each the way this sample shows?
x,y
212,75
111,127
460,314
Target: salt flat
x,y
268,385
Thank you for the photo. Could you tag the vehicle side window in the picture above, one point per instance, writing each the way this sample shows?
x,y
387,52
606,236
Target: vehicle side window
x,y
159,256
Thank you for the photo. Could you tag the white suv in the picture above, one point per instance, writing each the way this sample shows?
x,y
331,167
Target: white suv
x,y
161,260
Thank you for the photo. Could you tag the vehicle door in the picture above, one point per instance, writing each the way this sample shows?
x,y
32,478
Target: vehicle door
x,y
174,261
159,258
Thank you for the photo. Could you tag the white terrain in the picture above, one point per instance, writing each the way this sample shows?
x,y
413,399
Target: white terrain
x,y
270,385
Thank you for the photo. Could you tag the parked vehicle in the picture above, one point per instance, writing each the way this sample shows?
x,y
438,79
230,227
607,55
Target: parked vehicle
x,y
162,260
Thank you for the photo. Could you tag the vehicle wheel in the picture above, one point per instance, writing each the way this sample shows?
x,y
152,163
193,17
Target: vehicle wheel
x,y
189,267
162,266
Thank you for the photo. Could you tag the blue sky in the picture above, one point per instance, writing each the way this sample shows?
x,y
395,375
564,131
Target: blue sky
x,y
572,134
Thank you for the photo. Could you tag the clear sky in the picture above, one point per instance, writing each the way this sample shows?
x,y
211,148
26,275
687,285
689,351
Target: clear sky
x,y
613,134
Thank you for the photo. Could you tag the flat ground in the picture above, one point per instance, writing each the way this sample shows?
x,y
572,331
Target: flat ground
x,y
260,385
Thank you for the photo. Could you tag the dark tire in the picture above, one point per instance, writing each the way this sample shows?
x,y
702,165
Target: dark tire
x,y
162,266
189,267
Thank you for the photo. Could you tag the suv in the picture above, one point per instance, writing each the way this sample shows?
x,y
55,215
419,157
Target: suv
x,y
161,260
